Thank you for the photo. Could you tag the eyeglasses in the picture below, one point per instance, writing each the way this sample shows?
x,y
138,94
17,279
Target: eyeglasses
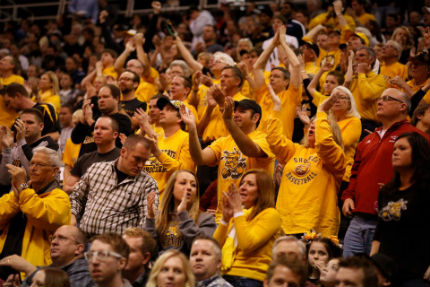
x,y
390,98
40,164
101,255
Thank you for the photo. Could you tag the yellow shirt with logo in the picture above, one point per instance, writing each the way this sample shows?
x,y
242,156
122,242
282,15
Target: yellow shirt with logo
x,y
175,155
71,153
232,163
307,196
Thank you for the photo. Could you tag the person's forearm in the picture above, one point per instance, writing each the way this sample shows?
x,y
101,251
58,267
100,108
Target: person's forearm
x,y
205,120
247,146
119,63
185,53
264,57
375,247
195,148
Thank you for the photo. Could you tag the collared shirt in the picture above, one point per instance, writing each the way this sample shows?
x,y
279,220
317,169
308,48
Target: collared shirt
x,y
77,271
214,281
102,205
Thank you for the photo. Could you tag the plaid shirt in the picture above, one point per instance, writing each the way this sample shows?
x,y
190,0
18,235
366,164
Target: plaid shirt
x,y
102,205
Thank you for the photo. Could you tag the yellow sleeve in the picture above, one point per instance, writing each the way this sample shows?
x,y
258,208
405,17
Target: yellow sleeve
x,y
351,134
282,147
318,98
220,234
426,97
217,147
327,149
370,88
252,235
48,212
9,207
184,160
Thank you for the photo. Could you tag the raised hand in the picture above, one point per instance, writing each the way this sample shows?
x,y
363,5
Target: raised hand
x,y
6,137
187,116
228,108
20,130
18,177
303,116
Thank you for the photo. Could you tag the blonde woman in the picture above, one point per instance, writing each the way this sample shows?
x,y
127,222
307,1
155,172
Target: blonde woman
x,y
171,269
179,219
49,90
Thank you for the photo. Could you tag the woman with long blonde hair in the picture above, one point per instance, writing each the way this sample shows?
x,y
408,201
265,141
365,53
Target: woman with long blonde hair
x,y
179,219
49,90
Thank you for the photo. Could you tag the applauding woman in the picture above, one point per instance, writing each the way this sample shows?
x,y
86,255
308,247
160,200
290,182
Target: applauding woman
x,y
179,219
248,228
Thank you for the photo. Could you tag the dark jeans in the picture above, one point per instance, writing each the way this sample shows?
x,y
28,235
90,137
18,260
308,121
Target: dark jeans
x,y
237,281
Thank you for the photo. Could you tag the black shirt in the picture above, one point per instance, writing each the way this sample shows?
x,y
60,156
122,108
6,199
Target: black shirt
x,y
86,160
131,106
403,218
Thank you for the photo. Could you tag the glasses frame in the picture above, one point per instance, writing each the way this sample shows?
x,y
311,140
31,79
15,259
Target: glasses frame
x,y
89,255
388,98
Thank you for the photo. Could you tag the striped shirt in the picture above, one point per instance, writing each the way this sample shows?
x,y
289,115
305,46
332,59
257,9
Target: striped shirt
x,y
101,205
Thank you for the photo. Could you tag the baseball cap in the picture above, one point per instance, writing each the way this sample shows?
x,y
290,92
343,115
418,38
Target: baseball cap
x,y
422,57
362,36
312,46
163,101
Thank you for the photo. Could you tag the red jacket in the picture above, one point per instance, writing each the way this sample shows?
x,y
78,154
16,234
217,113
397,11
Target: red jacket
x,y
372,166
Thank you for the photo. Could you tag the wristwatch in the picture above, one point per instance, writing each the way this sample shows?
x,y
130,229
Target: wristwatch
x,y
23,186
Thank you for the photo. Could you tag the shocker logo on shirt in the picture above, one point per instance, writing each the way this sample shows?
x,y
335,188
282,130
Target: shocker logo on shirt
x,y
393,210
302,173
234,165
154,165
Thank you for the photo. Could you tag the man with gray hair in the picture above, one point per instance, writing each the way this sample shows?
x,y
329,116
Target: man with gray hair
x,y
391,68
373,168
33,210
288,244
205,261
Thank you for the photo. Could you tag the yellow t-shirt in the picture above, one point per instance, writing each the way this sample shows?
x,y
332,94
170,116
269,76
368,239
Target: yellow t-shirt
x,y
145,91
71,153
216,127
110,72
290,99
232,163
393,70
364,18
50,98
311,68
175,156
330,21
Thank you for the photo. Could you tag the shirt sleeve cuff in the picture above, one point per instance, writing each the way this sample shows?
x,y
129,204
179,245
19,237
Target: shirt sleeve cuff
x,y
237,214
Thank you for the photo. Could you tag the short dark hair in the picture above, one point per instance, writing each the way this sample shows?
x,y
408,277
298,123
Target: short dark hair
x,y
114,90
55,276
284,71
237,73
292,262
338,75
34,112
365,264
117,243
111,52
114,122
187,82
15,88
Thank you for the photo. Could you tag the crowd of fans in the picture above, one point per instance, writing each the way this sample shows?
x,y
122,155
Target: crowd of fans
x,y
279,145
